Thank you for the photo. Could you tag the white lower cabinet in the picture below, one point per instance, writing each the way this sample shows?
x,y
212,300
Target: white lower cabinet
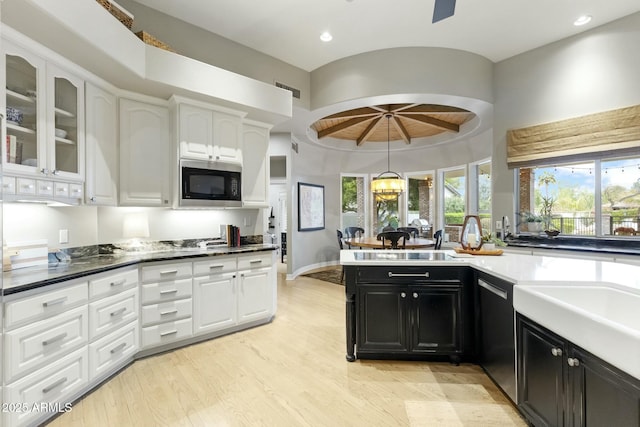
x,y
37,344
255,299
112,312
112,350
214,298
166,303
46,391
233,291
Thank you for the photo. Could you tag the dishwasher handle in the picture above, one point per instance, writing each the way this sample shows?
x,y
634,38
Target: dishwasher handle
x,y
493,289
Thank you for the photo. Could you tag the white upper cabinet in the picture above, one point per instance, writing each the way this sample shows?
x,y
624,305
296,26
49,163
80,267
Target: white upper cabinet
x,y
65,124
227,139
102,147
145,175
208,134
195,126
255,170
24,152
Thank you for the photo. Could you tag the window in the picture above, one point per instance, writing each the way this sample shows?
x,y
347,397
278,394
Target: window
x,y
481,193
596,198
420,198
454,196
353,201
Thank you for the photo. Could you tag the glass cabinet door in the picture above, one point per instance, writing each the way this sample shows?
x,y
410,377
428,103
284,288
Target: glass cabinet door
x,y
65,136
24,101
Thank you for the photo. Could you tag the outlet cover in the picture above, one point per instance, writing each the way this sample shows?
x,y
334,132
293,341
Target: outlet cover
x,y
498,225
64,236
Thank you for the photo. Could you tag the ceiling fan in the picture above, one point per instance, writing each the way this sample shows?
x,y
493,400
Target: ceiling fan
x,y
443,9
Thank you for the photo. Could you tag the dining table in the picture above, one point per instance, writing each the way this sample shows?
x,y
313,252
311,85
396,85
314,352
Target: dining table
x,y
373,243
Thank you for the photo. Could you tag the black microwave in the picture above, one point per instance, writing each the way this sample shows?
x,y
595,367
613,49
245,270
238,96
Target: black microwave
x,y
210,184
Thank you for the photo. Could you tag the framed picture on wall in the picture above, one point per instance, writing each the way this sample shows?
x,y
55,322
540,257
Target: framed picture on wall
x,y
310,207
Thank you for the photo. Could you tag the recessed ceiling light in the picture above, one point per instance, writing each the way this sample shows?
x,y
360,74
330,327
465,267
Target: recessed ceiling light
x,y
584,19
326,36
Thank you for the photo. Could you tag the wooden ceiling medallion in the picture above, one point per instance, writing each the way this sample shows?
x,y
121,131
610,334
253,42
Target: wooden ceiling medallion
x,y
407,121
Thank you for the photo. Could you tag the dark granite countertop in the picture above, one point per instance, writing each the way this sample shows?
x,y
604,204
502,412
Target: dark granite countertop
x,y
579,244
23,279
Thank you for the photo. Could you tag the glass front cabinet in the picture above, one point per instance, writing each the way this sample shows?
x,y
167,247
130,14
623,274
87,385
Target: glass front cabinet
x,y
44,146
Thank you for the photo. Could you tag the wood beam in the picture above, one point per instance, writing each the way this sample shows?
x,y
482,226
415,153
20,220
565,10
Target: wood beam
x,y
434,122
341,126
401,129
368,131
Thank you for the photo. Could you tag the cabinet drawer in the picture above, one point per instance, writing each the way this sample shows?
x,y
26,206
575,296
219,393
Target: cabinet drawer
x,y
41,342
166,332
112,312
166,311
405,275
44,305
75,191
61,189
26,186
257,260
214,265
170,271
111,350
166,291
55,383
8,185
44,188
113,283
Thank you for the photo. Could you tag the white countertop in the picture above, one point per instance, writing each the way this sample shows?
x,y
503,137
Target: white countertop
x,y
590,319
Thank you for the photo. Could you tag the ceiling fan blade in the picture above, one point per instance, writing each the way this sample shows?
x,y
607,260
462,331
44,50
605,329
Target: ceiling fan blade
x,y
443,9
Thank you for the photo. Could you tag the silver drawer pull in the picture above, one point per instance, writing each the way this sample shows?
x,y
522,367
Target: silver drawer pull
x,y
164,334
166,313
573,362
255,261
54,302
54,339
169,272
493,289
169,291
118,312
556,351
118,348
216,266
58,383
392,274
118,282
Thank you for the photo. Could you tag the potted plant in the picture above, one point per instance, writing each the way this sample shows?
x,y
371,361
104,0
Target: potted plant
x,y
490,241
533,221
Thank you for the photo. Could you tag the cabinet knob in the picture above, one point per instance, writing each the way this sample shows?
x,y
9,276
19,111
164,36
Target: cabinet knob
x,y
44,171
55,172
572,361
556,351
93,198
415,295
403,294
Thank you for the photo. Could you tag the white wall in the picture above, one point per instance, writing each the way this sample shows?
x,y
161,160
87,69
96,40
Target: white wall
x,y
595,71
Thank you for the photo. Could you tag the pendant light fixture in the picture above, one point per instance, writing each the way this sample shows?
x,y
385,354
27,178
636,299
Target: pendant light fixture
x,y
388,185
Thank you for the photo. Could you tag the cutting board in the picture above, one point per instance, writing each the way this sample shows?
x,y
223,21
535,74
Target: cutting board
x,y
24,254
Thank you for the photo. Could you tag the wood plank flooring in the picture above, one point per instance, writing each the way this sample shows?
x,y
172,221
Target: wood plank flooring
x,y
292,372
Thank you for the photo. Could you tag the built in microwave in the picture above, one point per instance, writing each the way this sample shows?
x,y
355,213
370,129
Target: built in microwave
x,y
210,184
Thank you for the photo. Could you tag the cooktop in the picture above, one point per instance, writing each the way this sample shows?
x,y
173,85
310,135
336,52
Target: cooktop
x,y
402,256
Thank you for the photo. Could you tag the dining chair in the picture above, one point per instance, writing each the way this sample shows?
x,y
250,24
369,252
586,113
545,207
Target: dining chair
x,y
354,232
437,236
413,231
393,238
339,233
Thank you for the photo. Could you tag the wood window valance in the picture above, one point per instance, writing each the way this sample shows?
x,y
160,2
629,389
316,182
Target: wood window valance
x,y
580,138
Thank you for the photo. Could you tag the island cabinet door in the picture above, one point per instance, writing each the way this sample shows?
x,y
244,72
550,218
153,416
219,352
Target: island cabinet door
x,y
436,325
382,314
600,394
541,374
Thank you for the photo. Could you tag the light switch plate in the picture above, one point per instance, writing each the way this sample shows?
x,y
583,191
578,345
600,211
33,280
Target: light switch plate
x,y
63,236
498,225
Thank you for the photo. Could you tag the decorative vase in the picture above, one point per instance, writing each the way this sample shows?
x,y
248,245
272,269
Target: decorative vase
x,y
534,227
489,246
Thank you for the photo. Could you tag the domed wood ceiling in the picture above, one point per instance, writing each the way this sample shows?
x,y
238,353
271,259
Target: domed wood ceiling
x,y
408,121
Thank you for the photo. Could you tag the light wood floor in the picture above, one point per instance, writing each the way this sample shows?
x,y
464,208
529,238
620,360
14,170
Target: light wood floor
x,y
292,372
